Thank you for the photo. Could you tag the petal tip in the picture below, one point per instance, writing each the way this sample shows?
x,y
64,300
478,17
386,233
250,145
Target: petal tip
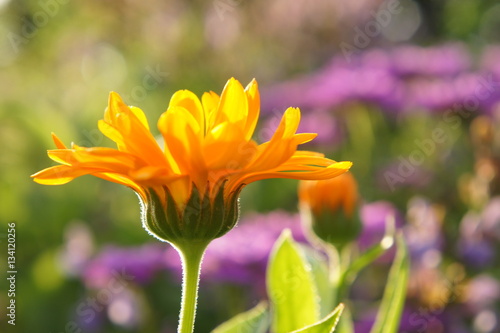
x,y
114,97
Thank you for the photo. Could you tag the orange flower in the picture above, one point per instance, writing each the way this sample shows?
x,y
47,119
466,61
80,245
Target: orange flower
x,y
208,151
332,194
330,208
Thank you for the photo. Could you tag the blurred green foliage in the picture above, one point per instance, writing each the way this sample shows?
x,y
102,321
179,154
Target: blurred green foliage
x,y
59,60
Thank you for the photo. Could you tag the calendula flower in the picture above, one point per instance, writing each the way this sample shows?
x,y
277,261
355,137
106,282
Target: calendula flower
x,y
189,188
330,208
208,156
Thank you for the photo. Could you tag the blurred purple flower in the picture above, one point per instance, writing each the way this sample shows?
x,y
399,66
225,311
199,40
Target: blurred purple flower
x,y
325,125
472,245
490,223
397,79
90,323
489,60
125,310
476,253
77,249
441,60
412,321
482,292
430,93
374,217
336,86
424,233
140,263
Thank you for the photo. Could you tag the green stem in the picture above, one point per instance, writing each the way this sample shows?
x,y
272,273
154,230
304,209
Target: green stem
x,y
335,269
191,255
334,263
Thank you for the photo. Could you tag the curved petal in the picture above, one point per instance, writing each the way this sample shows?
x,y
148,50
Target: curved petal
x,y
299,172
282,145
181,133
129,129
253,97
60,174
210,102
232,109
123,180
58,142
190,102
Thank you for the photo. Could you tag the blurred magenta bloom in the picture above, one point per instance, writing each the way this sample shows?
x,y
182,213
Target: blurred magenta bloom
x,y
441,60
473,245
482,292
374,217
398,79
138,264
424,234
490,219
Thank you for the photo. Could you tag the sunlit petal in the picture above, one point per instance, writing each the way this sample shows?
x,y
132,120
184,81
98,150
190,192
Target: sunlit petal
x,y
207,145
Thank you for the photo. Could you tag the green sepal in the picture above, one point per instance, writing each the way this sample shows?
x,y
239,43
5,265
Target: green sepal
x,y
202,220
335,227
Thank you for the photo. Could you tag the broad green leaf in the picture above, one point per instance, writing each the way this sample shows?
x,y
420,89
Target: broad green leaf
x,y
327,325
255,320
392,304
345,324
291,287
321,278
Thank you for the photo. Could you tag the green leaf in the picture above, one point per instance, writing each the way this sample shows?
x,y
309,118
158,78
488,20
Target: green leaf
x,y
321,278
291,287
391,307
255,320
345,324
327,325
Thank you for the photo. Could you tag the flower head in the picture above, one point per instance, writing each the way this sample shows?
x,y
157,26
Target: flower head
x,y
189,188
331,208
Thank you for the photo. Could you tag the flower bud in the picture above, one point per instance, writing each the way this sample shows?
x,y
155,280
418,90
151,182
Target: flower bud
x,y
329,209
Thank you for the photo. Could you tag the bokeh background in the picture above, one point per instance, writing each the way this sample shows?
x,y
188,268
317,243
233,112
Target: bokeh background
x,y
408,90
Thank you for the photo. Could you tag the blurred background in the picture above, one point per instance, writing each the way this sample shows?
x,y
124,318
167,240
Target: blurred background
x,y
407,90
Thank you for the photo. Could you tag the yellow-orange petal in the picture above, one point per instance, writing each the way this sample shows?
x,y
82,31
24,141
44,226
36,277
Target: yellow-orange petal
x,y
122,180
233,105
58,175
130,132
59,144
315,173
98,157
253,97
191,103
210,102
282,145
181,191
139,114
181,133
229,155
